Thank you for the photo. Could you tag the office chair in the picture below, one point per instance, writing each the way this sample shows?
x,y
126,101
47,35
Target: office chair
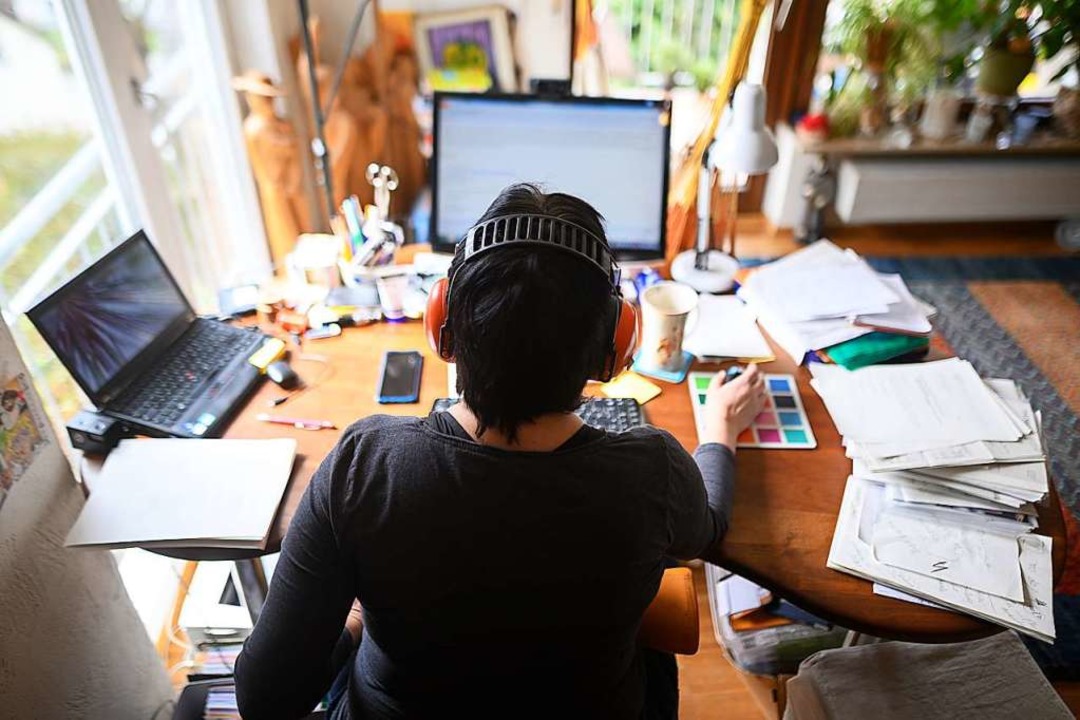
x,y
670,624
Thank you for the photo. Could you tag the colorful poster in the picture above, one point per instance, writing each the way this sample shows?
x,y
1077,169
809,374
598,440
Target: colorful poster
x,y
22,434
464,47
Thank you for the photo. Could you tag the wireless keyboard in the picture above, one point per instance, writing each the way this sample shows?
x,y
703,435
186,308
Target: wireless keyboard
x,y
611,414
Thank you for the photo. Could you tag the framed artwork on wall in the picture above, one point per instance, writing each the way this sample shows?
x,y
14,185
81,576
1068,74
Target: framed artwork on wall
x,y
467,50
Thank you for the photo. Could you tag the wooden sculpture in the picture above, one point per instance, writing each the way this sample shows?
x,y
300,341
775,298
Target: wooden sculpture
x,y
342,140
372,124
275,154
376,96
403,133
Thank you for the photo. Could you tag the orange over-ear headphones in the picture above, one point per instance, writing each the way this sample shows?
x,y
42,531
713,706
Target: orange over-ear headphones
x,y
532,231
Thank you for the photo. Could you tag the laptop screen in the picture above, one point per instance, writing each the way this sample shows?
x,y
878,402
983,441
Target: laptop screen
x,y
100,321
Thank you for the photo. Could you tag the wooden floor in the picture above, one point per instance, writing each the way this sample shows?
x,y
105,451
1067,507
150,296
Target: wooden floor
x,y
710,686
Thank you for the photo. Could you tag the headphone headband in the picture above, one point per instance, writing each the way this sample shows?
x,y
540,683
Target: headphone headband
x,y
543,230
530,229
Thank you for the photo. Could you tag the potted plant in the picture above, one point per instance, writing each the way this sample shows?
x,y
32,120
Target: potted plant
x,y
1061,20
1009,54
953,28
887,50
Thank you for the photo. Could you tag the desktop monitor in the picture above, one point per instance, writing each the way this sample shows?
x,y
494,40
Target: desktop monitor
x,y
613,153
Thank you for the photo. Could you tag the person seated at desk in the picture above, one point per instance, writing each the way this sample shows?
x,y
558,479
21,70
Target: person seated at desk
x,y
503,552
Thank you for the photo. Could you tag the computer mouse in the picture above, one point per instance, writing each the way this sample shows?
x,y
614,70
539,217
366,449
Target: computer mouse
x,y
280,372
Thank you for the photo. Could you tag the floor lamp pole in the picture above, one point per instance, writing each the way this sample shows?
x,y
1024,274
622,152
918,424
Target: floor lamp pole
x,y
318,145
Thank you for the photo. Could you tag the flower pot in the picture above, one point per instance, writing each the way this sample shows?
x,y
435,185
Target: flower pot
x,y
1067,112
1001,71
940,113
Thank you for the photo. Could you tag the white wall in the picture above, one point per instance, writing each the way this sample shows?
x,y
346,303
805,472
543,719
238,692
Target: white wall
x,y
543,29
71,644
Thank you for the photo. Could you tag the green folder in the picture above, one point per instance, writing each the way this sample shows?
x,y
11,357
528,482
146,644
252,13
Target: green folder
x,y
874,348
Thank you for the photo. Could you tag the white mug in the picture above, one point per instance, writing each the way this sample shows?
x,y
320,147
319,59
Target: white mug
x,y
665,307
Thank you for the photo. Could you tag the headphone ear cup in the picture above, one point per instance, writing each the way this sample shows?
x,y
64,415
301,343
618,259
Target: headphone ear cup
x,y
438,335
623,341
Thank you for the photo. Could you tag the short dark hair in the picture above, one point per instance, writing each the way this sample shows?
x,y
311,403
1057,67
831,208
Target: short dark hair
x,y
529,325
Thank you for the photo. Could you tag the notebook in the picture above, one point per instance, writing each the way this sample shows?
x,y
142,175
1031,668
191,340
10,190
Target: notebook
x,y
186,493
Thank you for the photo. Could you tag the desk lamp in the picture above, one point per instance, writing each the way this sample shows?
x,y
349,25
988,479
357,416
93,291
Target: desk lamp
x,y
743,147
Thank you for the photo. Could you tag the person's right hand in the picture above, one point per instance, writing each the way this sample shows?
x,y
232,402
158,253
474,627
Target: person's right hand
x,y
731,407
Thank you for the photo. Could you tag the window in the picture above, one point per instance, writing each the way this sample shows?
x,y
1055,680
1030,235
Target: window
x,y
118,115
684,41
58,210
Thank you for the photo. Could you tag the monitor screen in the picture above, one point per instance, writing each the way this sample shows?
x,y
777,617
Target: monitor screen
x,y
101,320
612,153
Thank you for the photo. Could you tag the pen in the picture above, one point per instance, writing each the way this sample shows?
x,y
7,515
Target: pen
x,y
299,423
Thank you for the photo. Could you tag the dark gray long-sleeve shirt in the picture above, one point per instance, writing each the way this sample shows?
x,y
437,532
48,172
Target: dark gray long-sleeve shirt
x,y
491,581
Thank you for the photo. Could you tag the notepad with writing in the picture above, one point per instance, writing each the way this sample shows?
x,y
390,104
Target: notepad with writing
x,y
186,493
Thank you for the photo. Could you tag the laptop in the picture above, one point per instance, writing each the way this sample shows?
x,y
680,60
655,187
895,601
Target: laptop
x,y
133,343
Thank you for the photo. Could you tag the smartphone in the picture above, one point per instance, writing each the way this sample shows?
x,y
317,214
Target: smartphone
x,y
399,377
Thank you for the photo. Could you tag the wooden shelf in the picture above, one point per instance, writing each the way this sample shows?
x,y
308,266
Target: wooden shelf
x,y
1040,146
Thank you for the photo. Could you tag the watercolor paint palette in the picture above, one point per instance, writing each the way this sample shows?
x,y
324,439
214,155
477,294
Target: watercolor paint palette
x,y
781,424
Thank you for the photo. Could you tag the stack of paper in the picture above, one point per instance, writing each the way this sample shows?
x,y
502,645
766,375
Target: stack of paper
x,y
186,493
940,504
821,296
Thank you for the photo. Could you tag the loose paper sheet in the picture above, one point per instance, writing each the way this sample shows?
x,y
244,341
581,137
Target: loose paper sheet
x,y
886,591
726,329
904,316
944,400
963,555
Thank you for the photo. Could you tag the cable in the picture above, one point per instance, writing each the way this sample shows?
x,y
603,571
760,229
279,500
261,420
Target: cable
x,y
326,374
162,706
214,648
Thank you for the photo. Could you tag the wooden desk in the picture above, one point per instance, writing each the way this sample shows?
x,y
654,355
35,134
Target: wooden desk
x,y
786,501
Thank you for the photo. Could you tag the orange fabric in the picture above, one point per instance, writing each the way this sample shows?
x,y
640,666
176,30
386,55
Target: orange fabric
x,y
1069,584
587,33
670,623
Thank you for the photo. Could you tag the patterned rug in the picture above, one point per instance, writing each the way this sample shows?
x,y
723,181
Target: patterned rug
x,y
1019,317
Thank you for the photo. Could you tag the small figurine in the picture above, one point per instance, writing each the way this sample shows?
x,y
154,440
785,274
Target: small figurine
x,y
818,191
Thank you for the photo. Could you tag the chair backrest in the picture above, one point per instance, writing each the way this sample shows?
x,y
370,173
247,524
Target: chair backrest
x,y
670,623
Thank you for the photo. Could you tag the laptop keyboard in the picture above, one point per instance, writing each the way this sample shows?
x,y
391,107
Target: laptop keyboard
x,y
170,388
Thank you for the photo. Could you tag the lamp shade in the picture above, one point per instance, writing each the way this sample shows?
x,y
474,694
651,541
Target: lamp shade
x,y
744,145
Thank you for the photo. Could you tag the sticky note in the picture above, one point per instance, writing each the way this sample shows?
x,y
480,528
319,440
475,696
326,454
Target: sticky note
x,y
631,385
